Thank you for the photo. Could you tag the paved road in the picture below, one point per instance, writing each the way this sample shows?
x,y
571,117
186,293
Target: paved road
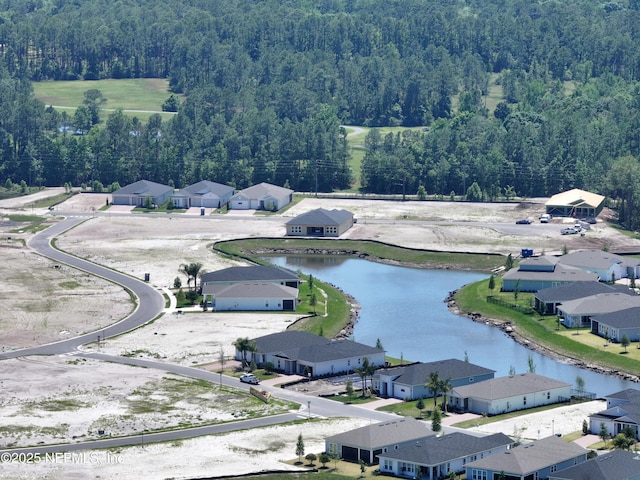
x,y
150,302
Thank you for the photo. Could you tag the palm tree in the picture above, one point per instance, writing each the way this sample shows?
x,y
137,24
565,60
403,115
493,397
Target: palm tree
x,y
244,345
363,372
434,386
192,271
445,388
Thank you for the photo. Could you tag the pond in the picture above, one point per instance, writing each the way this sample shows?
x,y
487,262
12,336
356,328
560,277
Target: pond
x,y
405,308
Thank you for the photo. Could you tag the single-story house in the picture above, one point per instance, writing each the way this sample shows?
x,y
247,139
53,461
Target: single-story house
x,y
613,465
623,410
202,194
408,382
547,300
608,266
615,325
258,274
366,443
575,203
578,313
320,223
250,297
435,457
509,394
263,196
141,193
536,273
529,461
303,353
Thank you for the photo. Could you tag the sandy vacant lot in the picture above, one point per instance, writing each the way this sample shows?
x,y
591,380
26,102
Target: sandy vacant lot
x,y
61,398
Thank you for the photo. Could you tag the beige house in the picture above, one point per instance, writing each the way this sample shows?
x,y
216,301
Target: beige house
x,y
575,203
320,223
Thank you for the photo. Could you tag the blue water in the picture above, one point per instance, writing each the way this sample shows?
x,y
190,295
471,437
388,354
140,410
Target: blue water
x,y
404,307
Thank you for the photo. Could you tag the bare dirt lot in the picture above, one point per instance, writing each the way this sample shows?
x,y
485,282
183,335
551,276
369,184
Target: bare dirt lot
x,y
55,400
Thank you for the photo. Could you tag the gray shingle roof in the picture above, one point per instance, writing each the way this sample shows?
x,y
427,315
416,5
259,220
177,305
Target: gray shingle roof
x,y
562,273
629,394
590,259
205,186
575,290
418,373
503,387
251,290
531,457
383,434
615,465
144,187
264,189
320,216
600,303
438,450
628,318
250,274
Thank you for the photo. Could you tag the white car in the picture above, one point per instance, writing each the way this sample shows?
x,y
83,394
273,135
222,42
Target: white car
x,y
250,378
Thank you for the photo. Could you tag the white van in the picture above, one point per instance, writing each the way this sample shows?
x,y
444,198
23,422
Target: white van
x,y
545,218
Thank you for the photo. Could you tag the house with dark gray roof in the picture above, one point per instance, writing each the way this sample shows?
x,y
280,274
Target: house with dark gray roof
x,y
257,274
548,299
578,313
320,223
250,297
623,410
614,465
615,325
508,394
407,382
202,194
141,193
366,443
303,353
534,460
536,273
436,457
262,196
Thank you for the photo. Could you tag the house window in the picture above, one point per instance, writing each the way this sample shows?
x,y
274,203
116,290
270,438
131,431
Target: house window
x,y
296,229
266,304
349,362
478,474
554,468
387,465
548,395
524,401
470,379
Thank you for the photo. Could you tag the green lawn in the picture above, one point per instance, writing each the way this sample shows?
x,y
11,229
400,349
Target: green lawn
x,y
139,96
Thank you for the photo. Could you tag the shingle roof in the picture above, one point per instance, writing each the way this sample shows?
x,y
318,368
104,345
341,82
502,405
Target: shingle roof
x,y
575,290
503,387
438,450
250,290
615,465
249,274
628,318
629,394
600,303
418,373
263,189
320,216
381,434
590,259
144,187
205,186
530,457
562,273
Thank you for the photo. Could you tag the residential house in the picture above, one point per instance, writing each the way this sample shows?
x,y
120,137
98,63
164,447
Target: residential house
x,y
250,297
366,443
623,410
202,194
547,300
578,313
435,457
303,353
508,394
407,382
608,266
529,461
575,203
263,196
536,273
142,193
258,274
614,465
320,223
615,325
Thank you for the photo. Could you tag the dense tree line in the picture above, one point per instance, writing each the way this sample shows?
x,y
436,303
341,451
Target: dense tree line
x,y
268,84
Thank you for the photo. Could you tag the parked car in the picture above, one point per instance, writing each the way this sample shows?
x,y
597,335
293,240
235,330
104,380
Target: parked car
x,y
250,378
577,227
545,218
524,221
568,231
591,220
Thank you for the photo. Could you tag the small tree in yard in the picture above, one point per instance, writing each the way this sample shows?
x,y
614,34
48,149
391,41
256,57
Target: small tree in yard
x,y
324,459
624,341
311,457
177,283
300,448
349,388
420,405
492,282
585,427
363,468
436,420
604,433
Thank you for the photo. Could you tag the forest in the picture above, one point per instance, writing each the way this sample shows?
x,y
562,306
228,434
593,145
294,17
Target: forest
x,y
269,83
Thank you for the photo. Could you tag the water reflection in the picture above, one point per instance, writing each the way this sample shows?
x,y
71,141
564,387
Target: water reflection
x,y
405,309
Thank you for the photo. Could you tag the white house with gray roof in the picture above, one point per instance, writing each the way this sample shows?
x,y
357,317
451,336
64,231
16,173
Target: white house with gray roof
x,y
612,465
366,443
257,274
303,353
615,325
536,273
529,461
320,223
250,297
408,382
141,193
435,457
508,394
262,196
202,194
623,411
608,266
578,313
547,300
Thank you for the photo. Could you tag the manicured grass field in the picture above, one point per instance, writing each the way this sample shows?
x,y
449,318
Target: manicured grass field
x,y
139,96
